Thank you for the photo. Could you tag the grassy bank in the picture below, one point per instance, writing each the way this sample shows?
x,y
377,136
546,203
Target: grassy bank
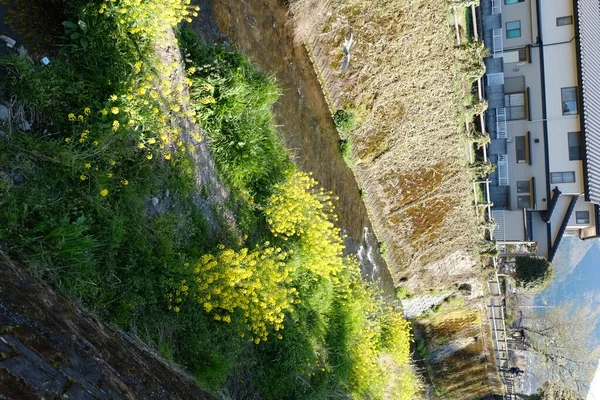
x,y
408,84
226,261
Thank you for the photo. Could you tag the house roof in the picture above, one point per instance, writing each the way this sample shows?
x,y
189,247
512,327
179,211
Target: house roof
x,y
588,26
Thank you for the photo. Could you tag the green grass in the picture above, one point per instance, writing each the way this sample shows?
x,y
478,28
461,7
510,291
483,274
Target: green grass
x,y
76,209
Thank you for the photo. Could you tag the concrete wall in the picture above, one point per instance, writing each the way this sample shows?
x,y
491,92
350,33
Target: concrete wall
x,y
561,72
519,12
515,228
536,168
581,205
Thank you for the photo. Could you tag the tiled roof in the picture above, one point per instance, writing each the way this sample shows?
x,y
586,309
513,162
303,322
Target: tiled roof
x,y
588,13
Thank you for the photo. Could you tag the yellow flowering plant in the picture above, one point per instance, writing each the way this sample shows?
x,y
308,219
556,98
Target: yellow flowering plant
x,y
252,284
300,211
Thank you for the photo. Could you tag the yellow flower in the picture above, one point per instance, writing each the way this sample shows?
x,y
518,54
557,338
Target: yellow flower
x,y
83,177
138,66
80,118
112,162
152,140
114,110
72,117
115,125
113,97
141,145
141,91
87,111
68,139
176,309
168,156
88,165
96,143
149,156
109,175
104,192
104,112
125,182
101,11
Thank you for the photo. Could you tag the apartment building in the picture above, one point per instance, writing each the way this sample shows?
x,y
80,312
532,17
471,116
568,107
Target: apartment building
x,y
543,89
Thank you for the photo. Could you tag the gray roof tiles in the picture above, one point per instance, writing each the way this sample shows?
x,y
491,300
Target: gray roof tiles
x,y
588,12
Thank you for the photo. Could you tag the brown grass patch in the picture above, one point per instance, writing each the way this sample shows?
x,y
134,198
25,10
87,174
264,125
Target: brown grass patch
x,y
463,373
406,84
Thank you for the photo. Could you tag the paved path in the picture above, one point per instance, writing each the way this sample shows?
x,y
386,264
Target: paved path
x,y
503,343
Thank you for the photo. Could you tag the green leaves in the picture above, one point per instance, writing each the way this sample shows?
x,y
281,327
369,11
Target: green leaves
x,y
77,33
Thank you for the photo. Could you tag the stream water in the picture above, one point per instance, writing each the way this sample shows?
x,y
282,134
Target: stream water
x,y
260,29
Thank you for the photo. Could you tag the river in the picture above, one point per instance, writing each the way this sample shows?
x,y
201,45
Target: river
x,y
261,29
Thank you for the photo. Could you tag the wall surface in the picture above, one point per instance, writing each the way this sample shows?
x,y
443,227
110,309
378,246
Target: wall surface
x,y
50,348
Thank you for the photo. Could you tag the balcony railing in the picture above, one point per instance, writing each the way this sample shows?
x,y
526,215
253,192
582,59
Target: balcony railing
x,y
496,78
497,42
496,6
499,231
501,123
503,170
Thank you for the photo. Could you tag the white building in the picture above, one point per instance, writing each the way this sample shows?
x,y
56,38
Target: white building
x,y
543,91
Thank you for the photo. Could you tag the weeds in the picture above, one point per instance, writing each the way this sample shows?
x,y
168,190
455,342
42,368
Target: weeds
x,y
100,199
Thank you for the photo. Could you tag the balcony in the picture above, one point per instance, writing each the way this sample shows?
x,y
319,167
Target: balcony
x,y
497,43
501,123
496,7
502,169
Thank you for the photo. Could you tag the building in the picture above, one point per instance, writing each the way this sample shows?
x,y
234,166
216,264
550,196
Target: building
x,y
543,92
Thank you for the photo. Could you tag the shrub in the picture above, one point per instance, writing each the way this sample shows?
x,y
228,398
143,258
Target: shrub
x,y
344,121
254,284
233,102
533,274
298,211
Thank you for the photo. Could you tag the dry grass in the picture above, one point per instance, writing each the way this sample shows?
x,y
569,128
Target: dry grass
x,y
406,82
456,345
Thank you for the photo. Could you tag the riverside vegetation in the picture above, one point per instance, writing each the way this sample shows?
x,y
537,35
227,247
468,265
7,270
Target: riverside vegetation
x,y
410,86
262,303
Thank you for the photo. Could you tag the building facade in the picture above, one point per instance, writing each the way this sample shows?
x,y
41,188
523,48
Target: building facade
x,y
543,118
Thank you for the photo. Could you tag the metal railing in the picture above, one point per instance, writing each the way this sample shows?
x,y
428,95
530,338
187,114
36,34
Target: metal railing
x,y
503,170
497,42
496,78
499,232
501,123
496,6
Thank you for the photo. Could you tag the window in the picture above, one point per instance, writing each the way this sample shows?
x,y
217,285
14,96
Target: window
x,y
574,146
515,105
523,186
521,149
513,1
582,217
523,201
514,56
562,177
562,21
513,29
569,100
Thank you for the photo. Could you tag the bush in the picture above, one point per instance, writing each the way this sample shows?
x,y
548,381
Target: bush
x,y
344,121
533,274
298,212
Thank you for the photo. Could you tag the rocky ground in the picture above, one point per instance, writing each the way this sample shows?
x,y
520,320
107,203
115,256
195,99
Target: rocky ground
x,y
51,348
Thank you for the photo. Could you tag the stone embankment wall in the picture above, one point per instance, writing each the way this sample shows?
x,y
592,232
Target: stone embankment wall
x,y
51,349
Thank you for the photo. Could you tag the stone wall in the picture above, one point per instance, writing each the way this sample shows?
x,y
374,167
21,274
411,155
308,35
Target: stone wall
x,y
51,348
